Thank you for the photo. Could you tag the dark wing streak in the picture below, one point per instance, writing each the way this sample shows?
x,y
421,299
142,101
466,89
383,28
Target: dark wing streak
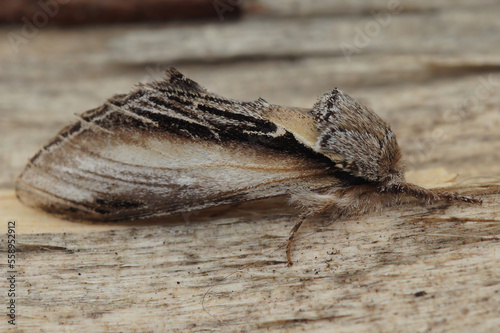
x,y
213,110
107,108
145,120
92,173
157,102
157,109
213,118
91,124
76,203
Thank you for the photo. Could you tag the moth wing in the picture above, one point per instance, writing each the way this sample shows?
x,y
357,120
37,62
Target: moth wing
x,y
90,173
167,147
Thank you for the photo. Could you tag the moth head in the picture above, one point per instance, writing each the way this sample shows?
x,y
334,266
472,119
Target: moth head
x,y
356,139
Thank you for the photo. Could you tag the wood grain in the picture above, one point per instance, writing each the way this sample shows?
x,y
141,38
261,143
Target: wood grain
x,y
433,73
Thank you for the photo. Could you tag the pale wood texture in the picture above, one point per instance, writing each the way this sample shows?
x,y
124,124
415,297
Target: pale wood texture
x,y
433,72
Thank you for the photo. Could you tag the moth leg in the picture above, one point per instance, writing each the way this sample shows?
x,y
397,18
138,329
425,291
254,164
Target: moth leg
x,y
453,196
337,214
311,203
290,239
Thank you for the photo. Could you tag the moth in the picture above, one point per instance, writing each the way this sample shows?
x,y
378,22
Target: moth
x,y
172,146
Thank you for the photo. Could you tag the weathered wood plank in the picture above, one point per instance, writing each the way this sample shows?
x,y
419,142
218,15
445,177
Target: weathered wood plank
x,y
433,72
297,8
454,31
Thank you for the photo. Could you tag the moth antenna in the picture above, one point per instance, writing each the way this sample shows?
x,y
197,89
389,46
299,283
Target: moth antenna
x,y
425,195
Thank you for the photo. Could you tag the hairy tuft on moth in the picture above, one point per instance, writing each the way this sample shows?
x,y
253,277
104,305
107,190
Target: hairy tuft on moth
x,y
172,146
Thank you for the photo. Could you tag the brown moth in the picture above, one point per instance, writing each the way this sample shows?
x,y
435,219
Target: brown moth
x,y
172,146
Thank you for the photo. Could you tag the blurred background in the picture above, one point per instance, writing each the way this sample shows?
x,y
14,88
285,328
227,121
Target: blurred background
x,y
430,68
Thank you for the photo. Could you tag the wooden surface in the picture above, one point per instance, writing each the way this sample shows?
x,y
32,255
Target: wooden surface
x,y
432,72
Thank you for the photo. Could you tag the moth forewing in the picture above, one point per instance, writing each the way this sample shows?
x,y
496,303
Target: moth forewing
x,y
123,161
